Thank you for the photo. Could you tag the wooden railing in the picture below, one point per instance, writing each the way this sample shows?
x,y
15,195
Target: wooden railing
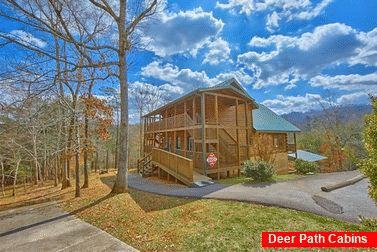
x,y
181,120
178,166
142,162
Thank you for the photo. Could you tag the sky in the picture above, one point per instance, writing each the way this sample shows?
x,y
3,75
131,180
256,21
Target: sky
x,y
290,55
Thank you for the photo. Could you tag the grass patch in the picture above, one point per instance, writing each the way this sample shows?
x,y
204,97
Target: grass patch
x,y
151,222
246,180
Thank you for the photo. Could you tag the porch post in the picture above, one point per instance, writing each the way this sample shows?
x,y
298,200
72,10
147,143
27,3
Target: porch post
x,y
294,137
184,147
217,135
194,131
203,110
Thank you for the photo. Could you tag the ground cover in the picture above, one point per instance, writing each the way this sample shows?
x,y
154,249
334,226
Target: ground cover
x,y
152,222
245,180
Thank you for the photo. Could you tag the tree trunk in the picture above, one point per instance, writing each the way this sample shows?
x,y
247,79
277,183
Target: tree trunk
x,y
2,177
15,178
86,175
77,158
96,163
121,183
56,171
35,159
141,135
116,149
70,143
107,160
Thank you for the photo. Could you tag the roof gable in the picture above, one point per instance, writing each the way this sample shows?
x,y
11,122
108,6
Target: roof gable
x,y
231,83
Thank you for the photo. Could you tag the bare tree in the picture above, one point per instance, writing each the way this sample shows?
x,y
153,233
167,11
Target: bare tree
x,y
146,98
43,15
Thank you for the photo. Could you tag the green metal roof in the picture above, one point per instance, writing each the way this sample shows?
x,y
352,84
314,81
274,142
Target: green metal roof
x,y
266,120
307,156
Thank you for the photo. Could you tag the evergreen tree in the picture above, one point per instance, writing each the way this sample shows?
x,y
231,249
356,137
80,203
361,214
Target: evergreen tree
x,y
370,141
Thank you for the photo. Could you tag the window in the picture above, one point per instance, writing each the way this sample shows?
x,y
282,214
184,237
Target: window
x,y
190,143
276,141
178,143
279,141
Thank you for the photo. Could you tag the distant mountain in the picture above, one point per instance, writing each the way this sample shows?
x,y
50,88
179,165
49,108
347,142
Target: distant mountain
x,y
348,113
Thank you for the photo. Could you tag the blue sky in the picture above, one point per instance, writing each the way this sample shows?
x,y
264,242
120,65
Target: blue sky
x,y
290,55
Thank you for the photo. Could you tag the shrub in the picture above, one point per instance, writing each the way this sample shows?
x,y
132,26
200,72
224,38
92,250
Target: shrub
x,y
258,170
304,167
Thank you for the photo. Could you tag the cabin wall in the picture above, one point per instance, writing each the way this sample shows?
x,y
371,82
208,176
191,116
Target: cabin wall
x,y
271,147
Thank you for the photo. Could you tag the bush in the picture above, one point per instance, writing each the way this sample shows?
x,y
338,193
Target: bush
x,y
258,170
304,167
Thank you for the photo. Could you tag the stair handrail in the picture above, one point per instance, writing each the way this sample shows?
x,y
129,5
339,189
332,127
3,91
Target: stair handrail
x,y
144,161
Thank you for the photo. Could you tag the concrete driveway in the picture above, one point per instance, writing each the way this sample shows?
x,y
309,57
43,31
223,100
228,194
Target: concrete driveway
x,y
304,194
46,227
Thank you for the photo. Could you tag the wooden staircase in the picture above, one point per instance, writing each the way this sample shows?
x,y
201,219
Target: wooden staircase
x,y
144,165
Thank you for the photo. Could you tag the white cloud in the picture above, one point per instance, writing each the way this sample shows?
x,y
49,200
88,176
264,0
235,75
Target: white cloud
x,y
304,103
172,89
219,52
183,32
278,10
301,57
26,38
287,104
273,21
185,80
368,54
353,98
311,12
241,75
349,82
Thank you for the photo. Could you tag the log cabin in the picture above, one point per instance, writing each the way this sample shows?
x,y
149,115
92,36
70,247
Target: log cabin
x,y
210,132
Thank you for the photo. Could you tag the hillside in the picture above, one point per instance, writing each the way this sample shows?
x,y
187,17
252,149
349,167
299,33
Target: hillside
x,y
349,113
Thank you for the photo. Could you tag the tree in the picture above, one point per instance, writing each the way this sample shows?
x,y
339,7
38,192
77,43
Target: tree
x,y
370,140
146,98
125,31
86,27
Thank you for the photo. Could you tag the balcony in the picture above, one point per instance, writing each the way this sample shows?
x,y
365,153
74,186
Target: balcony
x,y
174,122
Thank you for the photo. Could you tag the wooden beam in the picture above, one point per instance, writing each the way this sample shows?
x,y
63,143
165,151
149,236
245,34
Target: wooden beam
x,y
247,130
217,136
226,96
174,129
238,135
193,131
203,111
185,131
294,137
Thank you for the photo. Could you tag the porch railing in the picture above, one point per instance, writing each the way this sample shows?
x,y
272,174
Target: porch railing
x,y
181,120
176,165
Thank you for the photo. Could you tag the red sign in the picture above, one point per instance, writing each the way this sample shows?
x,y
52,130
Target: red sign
x,y
319,239
211,160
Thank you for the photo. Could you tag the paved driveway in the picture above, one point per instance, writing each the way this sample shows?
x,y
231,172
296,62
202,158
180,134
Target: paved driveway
x,y
303,194
46,227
